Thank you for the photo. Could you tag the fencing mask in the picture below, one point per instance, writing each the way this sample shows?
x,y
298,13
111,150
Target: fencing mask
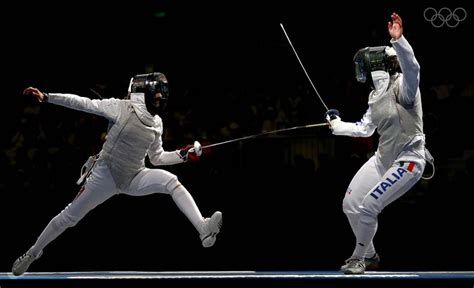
x,y
155,87
371,59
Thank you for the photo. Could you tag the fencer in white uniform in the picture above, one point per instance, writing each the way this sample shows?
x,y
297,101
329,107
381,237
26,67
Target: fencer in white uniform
x,y
135,130
395,111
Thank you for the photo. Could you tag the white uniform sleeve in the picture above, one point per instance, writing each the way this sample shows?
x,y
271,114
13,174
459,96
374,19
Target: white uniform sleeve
x,y
158,156
107,108
363,128
410,69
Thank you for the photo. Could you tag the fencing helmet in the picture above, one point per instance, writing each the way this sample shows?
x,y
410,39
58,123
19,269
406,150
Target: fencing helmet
x,y
151,84
371,59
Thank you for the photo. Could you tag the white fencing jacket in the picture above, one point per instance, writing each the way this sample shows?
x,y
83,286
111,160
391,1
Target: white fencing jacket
x,y
133,133
394,110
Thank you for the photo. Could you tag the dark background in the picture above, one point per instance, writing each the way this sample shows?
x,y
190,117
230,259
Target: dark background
x,y
230,70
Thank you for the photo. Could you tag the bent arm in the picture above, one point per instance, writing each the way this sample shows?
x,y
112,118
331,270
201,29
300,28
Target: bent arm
x,y
363,128
158,156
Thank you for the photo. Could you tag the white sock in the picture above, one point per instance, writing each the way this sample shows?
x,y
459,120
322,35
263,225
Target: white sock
x,y
354,221
366,229
186,204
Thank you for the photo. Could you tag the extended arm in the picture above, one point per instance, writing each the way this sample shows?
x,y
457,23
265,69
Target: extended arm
x,y
106,108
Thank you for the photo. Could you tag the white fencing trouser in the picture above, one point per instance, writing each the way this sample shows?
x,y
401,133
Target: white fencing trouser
x,y
370,192
100,186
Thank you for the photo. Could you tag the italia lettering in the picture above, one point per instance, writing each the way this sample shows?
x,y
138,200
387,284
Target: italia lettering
x,y
382,187
401,171
385,185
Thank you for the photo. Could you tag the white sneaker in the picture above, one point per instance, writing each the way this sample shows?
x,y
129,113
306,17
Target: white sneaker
x,y
23,262
353,266
211,228
371,263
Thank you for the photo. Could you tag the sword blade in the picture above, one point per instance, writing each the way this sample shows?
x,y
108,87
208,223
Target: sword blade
x,y
264,133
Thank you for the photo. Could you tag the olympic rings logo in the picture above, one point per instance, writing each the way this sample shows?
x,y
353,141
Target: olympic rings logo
x,y
445,16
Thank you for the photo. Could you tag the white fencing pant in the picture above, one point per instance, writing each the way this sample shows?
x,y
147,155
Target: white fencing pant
x,y
100,186
371,191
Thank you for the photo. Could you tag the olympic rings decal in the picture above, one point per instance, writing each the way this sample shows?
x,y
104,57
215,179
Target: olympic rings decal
x,y
445,16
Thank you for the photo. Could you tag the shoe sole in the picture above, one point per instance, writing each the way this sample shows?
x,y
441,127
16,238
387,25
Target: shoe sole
x,y
354,272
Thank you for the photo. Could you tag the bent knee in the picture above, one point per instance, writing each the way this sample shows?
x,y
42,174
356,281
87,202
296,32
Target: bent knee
x,y
173,184
368,218
369,213
350,205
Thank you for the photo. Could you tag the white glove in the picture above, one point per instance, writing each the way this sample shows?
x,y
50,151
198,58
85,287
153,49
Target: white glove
x,y
333,121
332,116
191,152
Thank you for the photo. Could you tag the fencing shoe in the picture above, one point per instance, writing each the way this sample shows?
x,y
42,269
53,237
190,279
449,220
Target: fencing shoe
x,y
211,228
372,262
23,262
353,266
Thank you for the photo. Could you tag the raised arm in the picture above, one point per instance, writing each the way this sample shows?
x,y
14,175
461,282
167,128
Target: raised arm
x,y
406,57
